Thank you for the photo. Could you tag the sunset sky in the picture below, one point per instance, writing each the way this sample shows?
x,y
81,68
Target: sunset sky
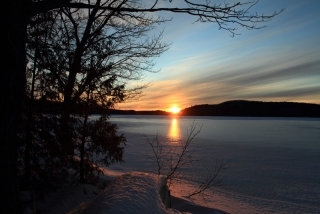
x,y
205,65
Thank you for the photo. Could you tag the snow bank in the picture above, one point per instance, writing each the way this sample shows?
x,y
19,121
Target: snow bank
x,y
70,199
134,192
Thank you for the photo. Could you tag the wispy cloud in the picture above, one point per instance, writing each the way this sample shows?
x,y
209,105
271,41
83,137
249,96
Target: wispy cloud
x,y
278,63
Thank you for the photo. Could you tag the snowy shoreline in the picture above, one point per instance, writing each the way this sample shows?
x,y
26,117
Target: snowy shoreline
x,y
75,198
272,165
134,192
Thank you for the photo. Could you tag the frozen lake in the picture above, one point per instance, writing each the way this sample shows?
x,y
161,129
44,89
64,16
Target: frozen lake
x,y
273,163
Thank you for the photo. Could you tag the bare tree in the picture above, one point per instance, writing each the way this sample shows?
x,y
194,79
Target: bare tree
x,y
95,46
206,11
174,156
89,60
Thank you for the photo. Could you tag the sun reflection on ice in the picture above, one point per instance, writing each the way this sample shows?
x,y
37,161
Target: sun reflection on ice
x,y
174,131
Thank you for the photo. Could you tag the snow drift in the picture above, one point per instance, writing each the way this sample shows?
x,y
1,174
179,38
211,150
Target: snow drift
x,y
134,192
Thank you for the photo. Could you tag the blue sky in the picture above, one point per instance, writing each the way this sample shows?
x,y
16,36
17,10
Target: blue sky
x,y
205,65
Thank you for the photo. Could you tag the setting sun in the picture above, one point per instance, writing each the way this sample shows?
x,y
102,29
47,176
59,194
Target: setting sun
x,y
174,110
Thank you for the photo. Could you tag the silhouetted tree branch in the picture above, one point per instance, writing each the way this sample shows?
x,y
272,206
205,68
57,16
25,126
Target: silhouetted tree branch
x,y
89,49
89,58
222,14
212,178
175,155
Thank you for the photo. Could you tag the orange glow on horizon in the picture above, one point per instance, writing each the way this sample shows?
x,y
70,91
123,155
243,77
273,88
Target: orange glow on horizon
x,y
174,110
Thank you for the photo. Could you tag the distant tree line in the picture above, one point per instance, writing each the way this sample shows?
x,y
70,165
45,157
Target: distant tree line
x,y
254,109
229,108
53,107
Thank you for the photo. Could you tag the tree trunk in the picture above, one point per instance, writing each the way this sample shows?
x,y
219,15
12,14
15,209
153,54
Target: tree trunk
x,y
13,67
82,148
30,124
68,103
65,134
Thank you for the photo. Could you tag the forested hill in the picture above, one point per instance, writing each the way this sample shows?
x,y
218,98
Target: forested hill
x,y
50,107
229,108
254,109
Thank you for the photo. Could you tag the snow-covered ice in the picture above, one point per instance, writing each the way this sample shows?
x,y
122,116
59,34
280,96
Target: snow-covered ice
x,y
272,168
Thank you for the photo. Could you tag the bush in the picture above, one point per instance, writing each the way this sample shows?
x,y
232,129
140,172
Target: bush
x,y
173,157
